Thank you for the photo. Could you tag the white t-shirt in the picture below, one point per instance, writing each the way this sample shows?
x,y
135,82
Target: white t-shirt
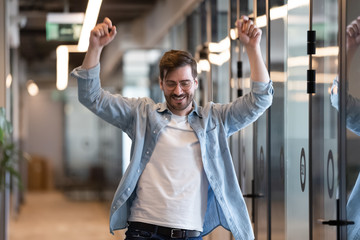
x,y
172,190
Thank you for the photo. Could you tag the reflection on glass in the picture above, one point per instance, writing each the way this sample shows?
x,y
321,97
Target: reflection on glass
x,y
352,123
261,162
277,74
220,53
324,121
296,147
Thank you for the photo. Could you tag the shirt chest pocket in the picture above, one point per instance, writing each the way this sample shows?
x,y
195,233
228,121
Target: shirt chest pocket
x,y
216,142
212,137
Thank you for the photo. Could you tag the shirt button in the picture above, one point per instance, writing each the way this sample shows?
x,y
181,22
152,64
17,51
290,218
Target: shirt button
x,y
147,152
138,170
128,189
154,131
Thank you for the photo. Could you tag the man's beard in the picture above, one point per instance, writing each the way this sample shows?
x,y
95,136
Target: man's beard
x,y
186,100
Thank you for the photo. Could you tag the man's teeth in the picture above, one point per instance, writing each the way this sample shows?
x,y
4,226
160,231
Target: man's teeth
x,y
179,98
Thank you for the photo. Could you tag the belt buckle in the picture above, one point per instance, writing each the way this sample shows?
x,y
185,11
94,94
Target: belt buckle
x,y
177,233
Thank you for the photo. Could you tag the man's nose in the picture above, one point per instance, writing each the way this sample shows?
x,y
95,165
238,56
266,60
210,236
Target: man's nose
x,y
178,90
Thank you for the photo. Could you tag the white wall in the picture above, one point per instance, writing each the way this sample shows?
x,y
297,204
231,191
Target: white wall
x,y
42,122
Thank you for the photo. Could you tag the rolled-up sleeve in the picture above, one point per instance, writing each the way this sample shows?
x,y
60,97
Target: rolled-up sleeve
x,y
81,73
263,93
248,108
113,108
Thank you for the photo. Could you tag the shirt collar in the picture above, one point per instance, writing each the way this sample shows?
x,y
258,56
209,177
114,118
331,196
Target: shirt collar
x,y
162,107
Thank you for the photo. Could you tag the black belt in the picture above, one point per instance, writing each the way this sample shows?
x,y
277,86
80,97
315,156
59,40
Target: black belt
x,y
164,231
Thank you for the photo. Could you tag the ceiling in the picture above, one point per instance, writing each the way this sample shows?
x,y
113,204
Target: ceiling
x,y
40,53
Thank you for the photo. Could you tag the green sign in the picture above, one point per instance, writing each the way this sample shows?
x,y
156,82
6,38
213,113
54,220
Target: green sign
x,y
63,32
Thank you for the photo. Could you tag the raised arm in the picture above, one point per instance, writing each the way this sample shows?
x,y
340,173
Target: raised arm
x,y
352,38
250,36
102,34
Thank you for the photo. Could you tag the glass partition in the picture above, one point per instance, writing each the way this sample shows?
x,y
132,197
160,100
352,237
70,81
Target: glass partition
x,y
92,158
220,59
297,124
352,117
261,159
324,121
246,134
277,65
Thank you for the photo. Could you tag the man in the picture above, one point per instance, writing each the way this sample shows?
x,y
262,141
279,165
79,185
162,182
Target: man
x,y
353,124
180,183
352,103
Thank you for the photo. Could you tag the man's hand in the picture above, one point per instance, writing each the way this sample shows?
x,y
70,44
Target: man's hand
x,y
102,34
250,36
352,38
248,33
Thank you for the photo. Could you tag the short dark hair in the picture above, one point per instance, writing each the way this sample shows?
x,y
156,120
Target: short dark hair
x,y
174,59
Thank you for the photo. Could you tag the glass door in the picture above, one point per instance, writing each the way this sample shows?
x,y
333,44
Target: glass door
x,y
351,85
278,24
246,135
261,157
324,121
296,149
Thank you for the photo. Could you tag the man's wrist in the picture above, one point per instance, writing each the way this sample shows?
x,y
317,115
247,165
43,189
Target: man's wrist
x,y
95,50
92,57
253,51
250,48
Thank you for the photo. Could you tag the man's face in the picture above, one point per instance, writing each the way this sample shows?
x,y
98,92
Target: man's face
x,y
179,87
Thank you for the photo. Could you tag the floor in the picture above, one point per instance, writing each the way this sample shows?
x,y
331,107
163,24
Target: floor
x,y
52,216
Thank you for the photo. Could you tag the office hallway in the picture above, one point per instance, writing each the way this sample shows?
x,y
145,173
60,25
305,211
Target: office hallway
x,y
51,216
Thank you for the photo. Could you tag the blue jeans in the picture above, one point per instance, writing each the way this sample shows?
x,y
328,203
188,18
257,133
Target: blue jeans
x,y
137,234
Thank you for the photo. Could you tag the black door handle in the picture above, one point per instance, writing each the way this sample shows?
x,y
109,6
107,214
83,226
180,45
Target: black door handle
x,y
337,222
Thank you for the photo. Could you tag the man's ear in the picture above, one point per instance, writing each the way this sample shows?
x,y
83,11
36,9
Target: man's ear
x,y
161,84
196,81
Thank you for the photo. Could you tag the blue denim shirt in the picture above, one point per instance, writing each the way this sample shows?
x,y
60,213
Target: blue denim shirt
x,y
142,120
352,109
352,123
353,212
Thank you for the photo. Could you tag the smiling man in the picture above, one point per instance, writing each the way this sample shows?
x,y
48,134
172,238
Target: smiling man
x,y
178,71
180,183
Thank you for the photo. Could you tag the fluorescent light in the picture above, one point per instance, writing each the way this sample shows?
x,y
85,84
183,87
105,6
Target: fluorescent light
x,y
65,18
281,12
8,80
320,52
219,59
327,51
233,33
297,3
73,48
275,13
203,65
299,61
32,88
199,68
223,48
261,21
220,46
62,64
232,83
278,12
91,16
62,67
